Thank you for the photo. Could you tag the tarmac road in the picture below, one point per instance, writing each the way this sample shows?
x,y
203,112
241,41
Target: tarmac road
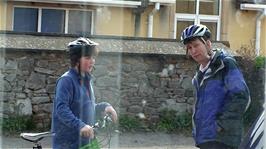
x,y
147,140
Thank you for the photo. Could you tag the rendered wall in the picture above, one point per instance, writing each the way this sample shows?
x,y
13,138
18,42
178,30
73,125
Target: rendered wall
x,y
239,27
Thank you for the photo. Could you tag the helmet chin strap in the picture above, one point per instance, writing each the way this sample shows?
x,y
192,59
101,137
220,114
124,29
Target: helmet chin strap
x,y
209,51
78,67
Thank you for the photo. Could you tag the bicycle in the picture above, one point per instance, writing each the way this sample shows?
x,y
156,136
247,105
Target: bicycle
x,y
103,125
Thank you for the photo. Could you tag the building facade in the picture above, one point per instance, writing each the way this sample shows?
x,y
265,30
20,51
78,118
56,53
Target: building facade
x,y
242,26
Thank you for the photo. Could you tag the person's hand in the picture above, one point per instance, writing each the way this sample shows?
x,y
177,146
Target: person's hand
x,y
87,131
110,110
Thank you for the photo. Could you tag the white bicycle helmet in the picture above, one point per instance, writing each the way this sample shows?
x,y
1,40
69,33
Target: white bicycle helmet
x,y
82,42
81,46
192,31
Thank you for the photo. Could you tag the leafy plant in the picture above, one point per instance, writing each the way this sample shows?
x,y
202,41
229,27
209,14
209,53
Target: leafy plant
x,y
260,62
170,121
17,124
128,123
250,63
94,144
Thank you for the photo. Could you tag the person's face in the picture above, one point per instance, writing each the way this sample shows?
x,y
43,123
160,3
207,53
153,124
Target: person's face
x,y
87,63
199,50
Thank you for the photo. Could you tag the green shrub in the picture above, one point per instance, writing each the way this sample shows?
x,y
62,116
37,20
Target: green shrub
x,y
17,124
169,121
184,121
260,62
128,123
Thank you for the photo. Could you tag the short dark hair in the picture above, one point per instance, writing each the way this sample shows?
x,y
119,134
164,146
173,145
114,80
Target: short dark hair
x,y
75,53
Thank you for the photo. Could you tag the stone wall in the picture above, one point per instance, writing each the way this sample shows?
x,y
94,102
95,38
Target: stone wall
x,y
28,81
137,76
133,83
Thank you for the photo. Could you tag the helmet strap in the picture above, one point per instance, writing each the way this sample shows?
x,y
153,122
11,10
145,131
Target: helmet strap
x,y
209,51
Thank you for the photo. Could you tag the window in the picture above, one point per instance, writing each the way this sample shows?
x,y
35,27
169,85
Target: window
x,y
79,22
185,6
205,12
25,19
209,7
53,21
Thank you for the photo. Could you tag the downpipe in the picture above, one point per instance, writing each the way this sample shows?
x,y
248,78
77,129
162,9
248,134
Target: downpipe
x,y
150,19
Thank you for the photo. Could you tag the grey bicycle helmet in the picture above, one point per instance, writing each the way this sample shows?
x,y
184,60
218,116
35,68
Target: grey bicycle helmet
x,y
193,31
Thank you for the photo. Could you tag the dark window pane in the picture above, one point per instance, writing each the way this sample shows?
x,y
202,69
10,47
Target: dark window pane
x,y
210,7
79,22
25,19
53,21
186,6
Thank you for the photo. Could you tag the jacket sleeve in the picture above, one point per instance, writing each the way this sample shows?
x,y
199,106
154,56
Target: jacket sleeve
x,y
100,107
64,96
238,97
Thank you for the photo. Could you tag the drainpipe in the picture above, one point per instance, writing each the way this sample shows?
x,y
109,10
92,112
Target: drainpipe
x,y
150,19
262,9
138,11
258,30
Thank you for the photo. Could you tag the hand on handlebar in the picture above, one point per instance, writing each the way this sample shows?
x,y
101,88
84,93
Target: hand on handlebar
x,y
87,131
110,110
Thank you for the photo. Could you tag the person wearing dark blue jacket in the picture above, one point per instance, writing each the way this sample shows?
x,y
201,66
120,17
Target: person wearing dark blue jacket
x,y
221,93
74,106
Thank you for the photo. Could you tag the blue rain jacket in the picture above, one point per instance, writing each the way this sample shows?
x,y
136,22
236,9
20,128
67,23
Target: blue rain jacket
x,y
73,107
222,97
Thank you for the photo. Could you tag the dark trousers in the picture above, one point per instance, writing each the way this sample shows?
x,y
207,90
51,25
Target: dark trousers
x,y
214,145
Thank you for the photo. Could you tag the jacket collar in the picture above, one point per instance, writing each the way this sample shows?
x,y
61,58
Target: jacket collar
x,y
75,73
216,65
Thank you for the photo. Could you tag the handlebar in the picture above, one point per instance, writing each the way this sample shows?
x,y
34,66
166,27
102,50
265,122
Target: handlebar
x,y
103,123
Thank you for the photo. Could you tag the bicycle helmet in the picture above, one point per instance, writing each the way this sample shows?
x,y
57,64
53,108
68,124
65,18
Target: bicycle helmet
x,y
81,47
193,31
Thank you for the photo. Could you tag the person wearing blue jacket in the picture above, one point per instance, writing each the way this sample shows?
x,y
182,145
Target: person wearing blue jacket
x,y
221,93
74,106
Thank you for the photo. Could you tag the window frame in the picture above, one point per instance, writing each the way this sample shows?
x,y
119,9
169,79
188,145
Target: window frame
x,y
197,18
66,11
